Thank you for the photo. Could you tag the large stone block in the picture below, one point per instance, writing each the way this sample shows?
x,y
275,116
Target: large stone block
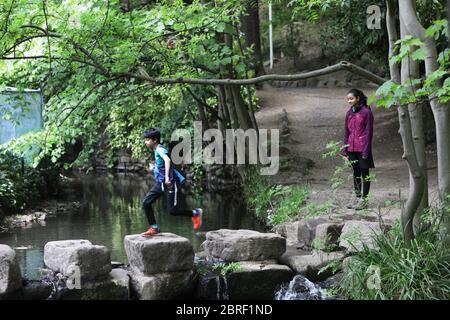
x,y
243,245
257,280
327,236
162,286
253,280
165,252
356,234
309,265
10,276
93,261
115,287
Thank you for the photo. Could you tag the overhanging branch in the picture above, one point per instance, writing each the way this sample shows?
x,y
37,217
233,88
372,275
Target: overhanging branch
x,y
343,65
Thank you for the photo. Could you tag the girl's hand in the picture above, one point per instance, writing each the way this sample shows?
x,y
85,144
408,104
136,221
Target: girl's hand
x,y
151,166
167,182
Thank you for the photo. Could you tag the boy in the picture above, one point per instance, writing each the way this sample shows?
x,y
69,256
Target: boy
x,y
166,183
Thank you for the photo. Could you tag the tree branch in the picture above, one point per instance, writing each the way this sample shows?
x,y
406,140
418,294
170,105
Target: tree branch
x,y
343,65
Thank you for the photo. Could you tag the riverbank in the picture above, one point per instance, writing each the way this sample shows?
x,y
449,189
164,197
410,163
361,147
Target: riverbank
x,y
39,214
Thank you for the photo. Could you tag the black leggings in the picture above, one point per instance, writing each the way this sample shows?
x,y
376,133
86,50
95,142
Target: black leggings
x,y
357,173
170,193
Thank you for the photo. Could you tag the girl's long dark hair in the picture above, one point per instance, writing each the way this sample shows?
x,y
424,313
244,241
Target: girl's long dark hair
x,y
362,97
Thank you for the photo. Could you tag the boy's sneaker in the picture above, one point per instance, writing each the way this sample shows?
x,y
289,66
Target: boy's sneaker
x,y
197,218
362,204
151,232
353,203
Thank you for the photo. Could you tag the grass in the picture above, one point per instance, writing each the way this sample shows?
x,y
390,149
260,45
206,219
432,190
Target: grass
x,y
224,268
416,273
273,203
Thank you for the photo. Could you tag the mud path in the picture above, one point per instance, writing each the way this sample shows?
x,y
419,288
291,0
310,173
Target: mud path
x,y
316,116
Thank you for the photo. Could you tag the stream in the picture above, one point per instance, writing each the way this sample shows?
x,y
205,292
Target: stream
x,y
111,208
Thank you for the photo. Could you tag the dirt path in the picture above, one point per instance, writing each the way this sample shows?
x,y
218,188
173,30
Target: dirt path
x,y
316,116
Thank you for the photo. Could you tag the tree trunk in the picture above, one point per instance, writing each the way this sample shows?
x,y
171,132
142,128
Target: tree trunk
x,y
412,136
417,182
229,102
441,112
251,30
410,71
241,109
201,110
393,37
416,116
224,118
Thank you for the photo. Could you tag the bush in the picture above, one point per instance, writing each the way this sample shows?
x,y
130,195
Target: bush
x,y
280,202
20,185
419,272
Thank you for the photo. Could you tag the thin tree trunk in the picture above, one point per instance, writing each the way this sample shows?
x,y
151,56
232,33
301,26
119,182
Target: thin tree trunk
x,y
251,30
247,87
393,37
417,185
226,114
242,111
414,148
224,121
231,109
441,112
201,109
410,71
416,115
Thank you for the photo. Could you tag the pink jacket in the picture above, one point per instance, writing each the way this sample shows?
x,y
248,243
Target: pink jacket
x,y
359,131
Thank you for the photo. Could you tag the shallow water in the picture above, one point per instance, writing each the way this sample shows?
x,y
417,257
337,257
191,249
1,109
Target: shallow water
x,y
112,208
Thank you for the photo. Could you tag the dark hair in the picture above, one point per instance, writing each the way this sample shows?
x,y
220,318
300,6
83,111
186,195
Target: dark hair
x,y
153,133
362,97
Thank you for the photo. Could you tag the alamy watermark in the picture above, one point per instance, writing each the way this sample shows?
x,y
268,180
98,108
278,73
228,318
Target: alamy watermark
x,y
374,279
374,19
237,147
73,274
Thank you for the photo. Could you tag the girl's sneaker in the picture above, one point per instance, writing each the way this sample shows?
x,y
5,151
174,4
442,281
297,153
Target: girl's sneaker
x,y
362,204
353,203
197,218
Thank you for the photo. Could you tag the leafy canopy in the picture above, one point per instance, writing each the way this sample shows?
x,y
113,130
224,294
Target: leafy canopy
x,y
90,59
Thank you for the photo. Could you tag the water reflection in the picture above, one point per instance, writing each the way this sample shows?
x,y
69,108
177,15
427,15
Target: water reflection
x,y
112,208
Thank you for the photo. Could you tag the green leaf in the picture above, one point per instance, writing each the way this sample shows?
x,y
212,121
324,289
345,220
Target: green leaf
x,y
419,54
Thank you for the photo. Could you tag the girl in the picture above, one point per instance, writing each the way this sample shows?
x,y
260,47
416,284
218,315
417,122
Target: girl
x,y
358,142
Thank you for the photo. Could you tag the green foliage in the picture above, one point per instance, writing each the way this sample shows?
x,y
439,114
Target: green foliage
x,y
324,245
314,209
419,272
436,84
289,199
345,34
20,185
276,203
198,175
224,268
91,62
334,149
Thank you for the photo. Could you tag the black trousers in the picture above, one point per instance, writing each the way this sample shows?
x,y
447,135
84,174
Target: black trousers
x,y
361,170
170,193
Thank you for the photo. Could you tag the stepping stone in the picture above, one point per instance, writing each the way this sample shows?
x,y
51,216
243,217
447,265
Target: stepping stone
x,y
164,252
243,245
69,256
10,276
357,233
162,286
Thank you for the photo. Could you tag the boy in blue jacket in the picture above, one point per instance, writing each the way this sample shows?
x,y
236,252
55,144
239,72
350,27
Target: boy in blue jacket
x,y
166,179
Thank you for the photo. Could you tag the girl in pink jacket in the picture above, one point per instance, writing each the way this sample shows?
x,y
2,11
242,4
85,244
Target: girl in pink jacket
x,y
358,141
